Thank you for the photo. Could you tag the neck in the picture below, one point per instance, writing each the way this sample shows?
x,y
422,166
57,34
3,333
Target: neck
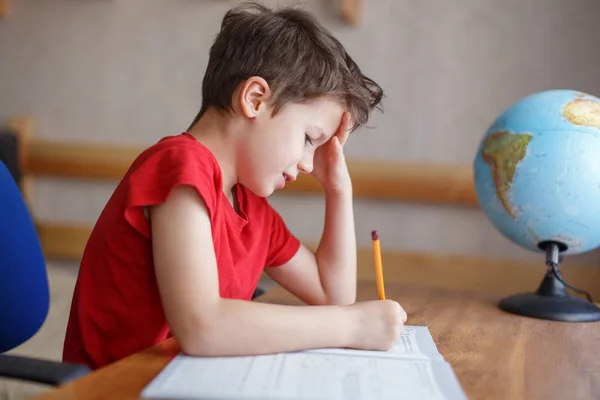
x,y
216,131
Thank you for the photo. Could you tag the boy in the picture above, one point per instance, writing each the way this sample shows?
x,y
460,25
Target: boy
x,y
182,242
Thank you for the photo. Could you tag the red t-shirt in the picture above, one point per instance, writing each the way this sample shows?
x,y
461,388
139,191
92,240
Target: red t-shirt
x,y
116,309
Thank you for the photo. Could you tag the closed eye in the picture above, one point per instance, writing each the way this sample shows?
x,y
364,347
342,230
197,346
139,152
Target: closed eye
x,y
307,139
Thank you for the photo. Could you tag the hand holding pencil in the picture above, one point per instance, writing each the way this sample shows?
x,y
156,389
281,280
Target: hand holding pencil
x,y
379,323
389,317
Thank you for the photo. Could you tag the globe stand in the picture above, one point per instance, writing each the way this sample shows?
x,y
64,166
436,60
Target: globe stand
x,y
551,300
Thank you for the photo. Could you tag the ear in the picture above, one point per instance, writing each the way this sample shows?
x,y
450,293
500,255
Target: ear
x,y
253,98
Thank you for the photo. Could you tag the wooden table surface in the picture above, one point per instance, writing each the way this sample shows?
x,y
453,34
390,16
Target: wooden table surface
x,y
495,355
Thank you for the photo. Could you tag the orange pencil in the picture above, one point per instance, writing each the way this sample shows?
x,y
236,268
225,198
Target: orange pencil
x,y
378,267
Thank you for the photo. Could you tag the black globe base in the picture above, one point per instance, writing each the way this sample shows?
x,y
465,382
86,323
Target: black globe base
x,y
563,308
551,300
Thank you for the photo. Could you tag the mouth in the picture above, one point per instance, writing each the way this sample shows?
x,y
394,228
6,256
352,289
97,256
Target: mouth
x,y
288,178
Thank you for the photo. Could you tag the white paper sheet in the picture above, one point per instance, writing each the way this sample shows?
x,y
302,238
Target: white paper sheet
x,y
324,374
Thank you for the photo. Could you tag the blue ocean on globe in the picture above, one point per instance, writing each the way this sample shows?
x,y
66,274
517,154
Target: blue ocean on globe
x,y
537,171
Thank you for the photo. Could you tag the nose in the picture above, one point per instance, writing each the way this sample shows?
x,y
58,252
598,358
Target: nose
x,y
305,167
306,164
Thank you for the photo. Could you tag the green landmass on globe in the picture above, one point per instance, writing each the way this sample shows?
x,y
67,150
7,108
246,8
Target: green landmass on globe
x,y
503,150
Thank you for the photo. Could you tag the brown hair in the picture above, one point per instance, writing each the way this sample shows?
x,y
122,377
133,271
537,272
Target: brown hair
x,y
296,55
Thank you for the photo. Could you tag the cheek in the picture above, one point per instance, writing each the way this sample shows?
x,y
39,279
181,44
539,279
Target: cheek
x,y
290,146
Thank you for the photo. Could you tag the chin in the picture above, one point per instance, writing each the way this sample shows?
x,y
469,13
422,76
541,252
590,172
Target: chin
x,y
263,191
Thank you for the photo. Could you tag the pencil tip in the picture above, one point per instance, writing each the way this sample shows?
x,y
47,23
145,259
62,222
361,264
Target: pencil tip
x,y
374,235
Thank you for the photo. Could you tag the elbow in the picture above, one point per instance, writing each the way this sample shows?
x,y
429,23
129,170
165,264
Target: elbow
x,y
203,342
199,346
199,336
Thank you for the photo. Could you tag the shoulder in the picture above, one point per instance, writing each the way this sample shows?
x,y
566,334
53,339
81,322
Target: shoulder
x,y
172,162
173,152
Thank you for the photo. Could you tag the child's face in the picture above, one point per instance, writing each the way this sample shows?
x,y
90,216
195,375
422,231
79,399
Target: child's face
x,y
281,147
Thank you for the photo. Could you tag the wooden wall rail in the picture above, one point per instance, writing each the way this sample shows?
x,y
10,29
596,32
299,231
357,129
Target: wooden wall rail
x,y
501,276
421,183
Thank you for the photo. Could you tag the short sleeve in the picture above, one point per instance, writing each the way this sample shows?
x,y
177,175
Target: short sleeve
x,y
283,244
156,173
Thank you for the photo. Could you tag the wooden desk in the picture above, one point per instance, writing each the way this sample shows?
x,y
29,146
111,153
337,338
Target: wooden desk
x,y
495,355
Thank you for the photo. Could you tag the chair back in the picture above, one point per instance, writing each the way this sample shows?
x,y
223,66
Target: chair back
x,y
24,291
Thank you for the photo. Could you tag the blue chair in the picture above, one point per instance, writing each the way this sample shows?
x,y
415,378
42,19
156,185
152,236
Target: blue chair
x,y
24,291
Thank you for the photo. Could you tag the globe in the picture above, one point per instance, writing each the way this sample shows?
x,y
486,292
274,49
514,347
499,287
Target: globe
x,y
537,171
537,179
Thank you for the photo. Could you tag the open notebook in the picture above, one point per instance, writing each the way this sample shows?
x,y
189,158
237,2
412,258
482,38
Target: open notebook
x,y
412,369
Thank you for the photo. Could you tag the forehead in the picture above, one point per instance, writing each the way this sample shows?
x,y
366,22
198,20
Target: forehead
x,y
324,113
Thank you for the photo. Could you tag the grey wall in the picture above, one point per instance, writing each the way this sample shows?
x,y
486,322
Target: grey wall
x,y
130,71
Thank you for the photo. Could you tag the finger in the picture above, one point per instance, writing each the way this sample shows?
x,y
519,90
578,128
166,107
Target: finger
x,y
403,314
335,147
344,131
339,149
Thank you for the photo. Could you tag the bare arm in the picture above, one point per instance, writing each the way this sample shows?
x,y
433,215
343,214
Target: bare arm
x,y
336,254
327,276
206,324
